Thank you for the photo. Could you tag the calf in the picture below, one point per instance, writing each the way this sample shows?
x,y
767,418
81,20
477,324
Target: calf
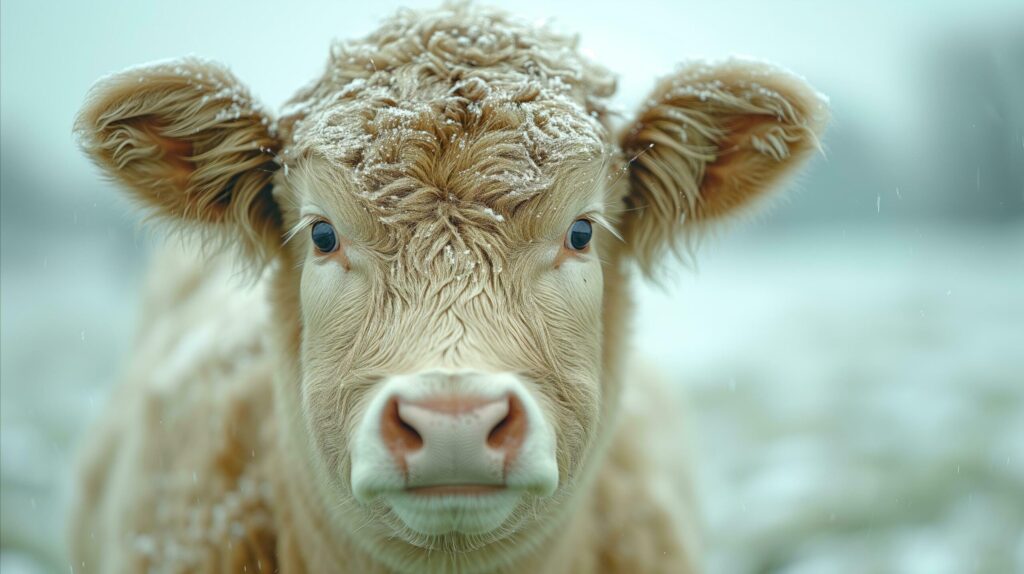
x,y
429,371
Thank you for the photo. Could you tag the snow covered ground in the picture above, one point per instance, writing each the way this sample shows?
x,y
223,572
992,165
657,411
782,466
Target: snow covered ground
x,y
858,398
857,393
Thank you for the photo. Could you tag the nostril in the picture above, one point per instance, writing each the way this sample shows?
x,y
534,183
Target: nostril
x,y
508,434
399,435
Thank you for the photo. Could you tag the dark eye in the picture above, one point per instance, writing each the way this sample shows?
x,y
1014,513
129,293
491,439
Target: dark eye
x,y
579,235
324,237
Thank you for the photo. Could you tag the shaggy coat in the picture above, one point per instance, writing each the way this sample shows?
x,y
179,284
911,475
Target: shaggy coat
x,y
451,150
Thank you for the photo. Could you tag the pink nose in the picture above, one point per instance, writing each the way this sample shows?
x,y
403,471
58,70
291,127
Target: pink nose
x,y
454,440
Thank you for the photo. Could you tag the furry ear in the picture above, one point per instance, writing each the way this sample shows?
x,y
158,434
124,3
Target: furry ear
x,y
189,143
710,140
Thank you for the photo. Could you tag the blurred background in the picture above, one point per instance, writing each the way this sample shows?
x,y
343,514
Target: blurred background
x,y
854,359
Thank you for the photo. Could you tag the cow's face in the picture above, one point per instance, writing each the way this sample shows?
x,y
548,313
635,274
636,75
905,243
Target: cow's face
x,y
452,334
448,218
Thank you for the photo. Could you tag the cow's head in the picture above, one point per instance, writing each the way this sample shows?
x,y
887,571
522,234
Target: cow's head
x,y
448,217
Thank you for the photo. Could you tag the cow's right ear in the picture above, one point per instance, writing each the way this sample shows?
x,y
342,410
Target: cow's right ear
x,y
187,141
711,141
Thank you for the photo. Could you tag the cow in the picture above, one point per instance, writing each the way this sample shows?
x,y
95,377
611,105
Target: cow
x,y
394,336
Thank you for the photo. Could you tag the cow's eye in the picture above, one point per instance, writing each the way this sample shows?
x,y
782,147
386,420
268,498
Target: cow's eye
x,y
579,235
324,237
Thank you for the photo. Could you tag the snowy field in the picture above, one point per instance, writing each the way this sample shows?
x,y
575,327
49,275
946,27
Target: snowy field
x,y
857,397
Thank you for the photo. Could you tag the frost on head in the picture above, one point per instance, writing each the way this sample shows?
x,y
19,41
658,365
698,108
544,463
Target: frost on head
x,y
463,104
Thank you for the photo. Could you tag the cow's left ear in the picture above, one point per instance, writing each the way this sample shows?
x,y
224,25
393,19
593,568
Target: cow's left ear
x,y
710,140
187,141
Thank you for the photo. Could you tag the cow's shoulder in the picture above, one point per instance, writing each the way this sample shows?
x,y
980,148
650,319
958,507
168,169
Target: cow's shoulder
x,y
176,477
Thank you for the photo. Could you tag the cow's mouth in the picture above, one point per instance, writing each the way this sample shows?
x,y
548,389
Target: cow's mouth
x,y
448,509
456,490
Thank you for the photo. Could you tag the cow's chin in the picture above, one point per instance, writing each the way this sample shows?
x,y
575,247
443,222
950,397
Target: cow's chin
x,y
445,511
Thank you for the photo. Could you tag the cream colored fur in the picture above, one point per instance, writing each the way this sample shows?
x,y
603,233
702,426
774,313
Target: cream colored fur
x,y
451,150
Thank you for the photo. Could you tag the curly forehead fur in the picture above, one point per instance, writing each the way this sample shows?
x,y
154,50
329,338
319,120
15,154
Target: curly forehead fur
x,y
463,106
